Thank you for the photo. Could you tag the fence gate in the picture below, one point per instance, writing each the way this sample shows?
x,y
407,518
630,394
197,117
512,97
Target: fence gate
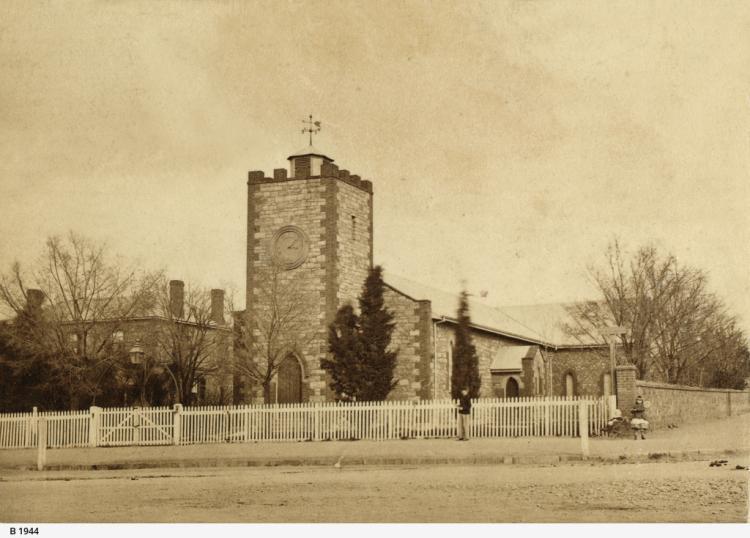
x,y
134,426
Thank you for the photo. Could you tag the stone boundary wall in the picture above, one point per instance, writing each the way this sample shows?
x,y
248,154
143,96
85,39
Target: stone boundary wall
x,y
679,404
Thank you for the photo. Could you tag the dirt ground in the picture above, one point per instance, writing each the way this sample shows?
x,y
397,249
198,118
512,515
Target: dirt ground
x,y
653,492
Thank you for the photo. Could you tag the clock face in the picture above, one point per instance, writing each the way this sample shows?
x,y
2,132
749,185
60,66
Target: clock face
x,y
289,247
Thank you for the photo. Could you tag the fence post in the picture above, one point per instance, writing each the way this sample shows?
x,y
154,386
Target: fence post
x,y
227,428
31,425
41,443
612,405
94,418
583,427
729,404
316,424
177,423
547,418
390,421
136,422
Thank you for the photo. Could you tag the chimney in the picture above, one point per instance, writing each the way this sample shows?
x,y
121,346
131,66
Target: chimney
x,y
217,306
177,298
34,299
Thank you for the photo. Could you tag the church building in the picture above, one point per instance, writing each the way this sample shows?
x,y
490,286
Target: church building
x,y
311,227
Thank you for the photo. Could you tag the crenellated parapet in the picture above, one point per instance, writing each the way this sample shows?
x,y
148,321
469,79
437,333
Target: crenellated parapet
x,y
310,166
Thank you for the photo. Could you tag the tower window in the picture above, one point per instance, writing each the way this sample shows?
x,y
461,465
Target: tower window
x,y
354,227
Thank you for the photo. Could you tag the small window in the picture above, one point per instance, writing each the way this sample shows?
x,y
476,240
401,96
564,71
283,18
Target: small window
x,y
570,385
354,227
118,337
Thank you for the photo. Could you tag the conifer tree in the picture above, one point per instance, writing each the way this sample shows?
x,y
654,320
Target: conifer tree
x,y
465,361
361,366
345,363
376,328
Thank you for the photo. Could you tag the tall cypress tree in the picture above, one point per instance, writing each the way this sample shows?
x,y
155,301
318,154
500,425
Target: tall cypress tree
x,y
361,366
345,346
376,328
465,361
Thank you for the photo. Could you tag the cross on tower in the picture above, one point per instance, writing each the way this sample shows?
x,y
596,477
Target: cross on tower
x,y
313,127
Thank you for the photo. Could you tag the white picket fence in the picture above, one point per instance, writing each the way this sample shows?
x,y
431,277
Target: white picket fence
x,y
511,417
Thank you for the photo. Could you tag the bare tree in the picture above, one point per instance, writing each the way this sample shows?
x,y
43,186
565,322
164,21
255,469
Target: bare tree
x,y
86,300
666,306
282,322
724,356
191,345
624,302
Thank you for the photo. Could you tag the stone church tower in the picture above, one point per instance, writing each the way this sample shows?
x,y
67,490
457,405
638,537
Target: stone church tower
x,y
309,238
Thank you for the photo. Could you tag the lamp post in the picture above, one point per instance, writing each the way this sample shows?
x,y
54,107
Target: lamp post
x,y
613,332
138,356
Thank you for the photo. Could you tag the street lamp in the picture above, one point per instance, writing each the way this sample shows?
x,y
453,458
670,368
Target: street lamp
x,y
138,356
137,353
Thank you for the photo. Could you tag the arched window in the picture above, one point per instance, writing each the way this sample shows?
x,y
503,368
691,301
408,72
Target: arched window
x,y
570,385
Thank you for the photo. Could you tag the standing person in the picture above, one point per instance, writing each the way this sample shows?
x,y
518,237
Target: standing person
x,y
638,423
464,414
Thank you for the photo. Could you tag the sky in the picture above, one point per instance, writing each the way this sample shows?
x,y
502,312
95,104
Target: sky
x,y
508,142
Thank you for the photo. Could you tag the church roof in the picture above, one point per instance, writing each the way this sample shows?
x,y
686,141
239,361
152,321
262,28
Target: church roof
x,y
552,325
510,358
309,150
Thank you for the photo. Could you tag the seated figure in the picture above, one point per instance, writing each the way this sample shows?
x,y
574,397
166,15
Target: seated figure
x,y
616,425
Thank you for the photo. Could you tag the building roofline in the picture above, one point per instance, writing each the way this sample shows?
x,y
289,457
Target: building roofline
x,y
499,332
213,326
407,295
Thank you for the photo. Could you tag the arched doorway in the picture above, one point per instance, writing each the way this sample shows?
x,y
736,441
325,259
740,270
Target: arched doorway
x,y
511,388
289,381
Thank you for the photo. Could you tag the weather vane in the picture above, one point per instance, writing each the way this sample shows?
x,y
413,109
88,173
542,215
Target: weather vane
x,y
313,127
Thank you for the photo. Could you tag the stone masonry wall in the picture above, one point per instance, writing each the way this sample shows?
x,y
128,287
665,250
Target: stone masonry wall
x,y
677,404
486,344
339,251
408,339
445,337
300,203
354,240
588,367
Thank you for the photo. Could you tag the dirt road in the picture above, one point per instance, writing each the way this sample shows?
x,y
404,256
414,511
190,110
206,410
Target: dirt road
x,y
654,492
